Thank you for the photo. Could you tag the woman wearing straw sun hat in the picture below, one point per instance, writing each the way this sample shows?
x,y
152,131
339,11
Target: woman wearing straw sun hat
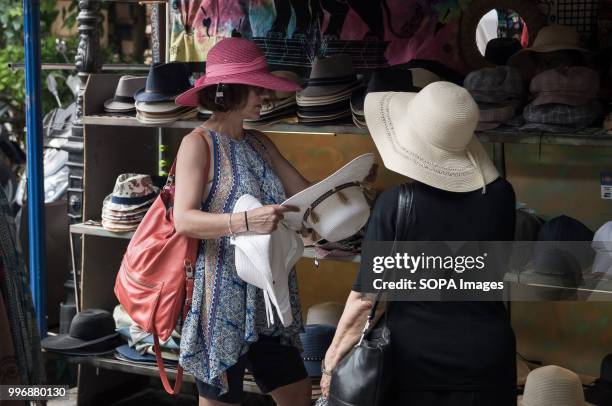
x,y
442,353
228,327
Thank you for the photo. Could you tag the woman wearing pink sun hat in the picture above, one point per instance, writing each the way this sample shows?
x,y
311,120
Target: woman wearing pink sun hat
x,y
226,329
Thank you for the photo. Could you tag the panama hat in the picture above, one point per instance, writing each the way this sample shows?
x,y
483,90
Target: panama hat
x,y
131,191
123,101
429,136
552,385
164,82
335,208
236,61
264,260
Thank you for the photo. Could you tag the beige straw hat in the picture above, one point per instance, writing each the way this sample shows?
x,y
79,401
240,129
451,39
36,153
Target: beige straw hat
x,y
429,136
552,385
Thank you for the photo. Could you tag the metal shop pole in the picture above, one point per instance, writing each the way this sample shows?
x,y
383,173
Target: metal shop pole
x,y
34,143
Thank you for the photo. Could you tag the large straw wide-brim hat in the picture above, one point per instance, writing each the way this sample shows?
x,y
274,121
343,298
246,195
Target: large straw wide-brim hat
x,y
336,207
552,385
429,136
264,260
236,61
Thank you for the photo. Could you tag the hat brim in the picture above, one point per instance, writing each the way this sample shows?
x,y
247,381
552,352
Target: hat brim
x,y
354,171
143,96
357,99
387,119
261,79
158,107
487,125
116,106
64,342
560,98
328,91
107,204
520,402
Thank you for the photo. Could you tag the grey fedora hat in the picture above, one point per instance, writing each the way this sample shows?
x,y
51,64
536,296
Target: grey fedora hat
x,y
123,101
330,75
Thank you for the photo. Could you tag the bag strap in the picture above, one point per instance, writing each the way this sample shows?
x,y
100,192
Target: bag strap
x,y
158,358
402,217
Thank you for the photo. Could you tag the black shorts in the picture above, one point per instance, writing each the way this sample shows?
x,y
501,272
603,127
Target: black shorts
x,y
273,365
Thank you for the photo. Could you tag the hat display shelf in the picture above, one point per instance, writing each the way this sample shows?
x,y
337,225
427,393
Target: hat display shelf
x,y
115,145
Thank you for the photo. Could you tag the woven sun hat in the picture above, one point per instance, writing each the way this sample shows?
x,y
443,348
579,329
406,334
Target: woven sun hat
x,y
335,208
265,260
328,313
552,385
429,136
123,100
131,191
236,61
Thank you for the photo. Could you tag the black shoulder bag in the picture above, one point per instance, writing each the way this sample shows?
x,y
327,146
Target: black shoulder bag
x,y
362,378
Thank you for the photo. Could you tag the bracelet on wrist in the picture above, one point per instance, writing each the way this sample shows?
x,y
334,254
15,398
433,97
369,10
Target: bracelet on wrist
x,y
324,370
246,221
229,225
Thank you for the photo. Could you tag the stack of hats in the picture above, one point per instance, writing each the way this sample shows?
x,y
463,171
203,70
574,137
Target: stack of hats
x,y
498,92
553,47
321,323
384,80
132,196
123,101
326,97
155,102
278,105
92,332
565,100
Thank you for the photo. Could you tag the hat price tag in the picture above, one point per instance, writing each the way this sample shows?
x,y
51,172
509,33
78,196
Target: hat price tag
x,y
606,185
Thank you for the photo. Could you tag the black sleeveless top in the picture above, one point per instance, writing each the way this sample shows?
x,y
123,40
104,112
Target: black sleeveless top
x,y
450,346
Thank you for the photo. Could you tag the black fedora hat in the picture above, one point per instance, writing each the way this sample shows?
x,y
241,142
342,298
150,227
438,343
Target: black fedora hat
x,y
164,82
92,331
390,79
600,393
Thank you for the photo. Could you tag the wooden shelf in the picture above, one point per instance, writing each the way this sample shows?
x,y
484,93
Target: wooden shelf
x,y
107,362
586,137
86,229
99,231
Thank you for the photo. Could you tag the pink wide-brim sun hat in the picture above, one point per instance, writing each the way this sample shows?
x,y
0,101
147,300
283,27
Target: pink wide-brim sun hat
x,y
236,61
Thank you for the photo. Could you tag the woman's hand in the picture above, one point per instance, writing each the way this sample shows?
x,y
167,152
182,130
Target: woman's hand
x,y
325,382
264,220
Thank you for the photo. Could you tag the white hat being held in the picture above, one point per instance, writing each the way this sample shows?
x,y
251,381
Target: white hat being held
x,y
429,136
265,260
552,385
336,207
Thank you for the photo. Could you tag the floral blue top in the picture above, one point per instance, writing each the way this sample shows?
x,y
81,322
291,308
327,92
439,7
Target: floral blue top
x,y
227,314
